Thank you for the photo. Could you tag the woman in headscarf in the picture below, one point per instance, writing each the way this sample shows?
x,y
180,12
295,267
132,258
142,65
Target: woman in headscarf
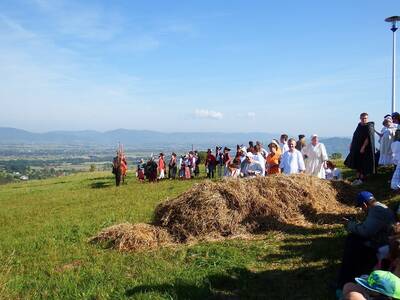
x,y
362,150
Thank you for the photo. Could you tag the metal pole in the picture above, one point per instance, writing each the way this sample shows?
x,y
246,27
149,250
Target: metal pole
x,y
394,29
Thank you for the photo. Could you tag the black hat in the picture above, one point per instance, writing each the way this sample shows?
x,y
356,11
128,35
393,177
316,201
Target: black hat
x,y
227,149
301,136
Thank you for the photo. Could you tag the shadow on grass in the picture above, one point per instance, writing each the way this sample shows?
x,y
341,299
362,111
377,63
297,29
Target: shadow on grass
x,y
41,184
101,178
242,283
264,224
100,185
309,249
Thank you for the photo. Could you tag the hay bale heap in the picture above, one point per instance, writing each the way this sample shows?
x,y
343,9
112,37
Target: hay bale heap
x,y
232,207
132,237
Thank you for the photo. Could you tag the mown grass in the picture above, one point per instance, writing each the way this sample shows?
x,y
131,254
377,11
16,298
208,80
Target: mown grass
x,y
44,253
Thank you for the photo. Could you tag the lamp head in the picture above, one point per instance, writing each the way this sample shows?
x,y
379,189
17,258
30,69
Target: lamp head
x,y
393,20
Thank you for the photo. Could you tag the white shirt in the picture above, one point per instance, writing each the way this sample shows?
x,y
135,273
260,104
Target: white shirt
x,y
292,162
252,169
260,159
333,174
284,147
396,152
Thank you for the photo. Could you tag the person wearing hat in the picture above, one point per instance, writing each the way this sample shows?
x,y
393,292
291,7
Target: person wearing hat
x,y
226,159
378,285
292,161
315,156
210,164
251,167
364,239
365,288
273,158
301,143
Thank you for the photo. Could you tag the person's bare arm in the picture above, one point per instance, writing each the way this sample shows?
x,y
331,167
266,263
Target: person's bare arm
x,y
364,145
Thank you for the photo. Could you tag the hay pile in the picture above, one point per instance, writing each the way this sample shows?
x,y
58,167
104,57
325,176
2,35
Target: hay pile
x,y
233,207
133,237
238,206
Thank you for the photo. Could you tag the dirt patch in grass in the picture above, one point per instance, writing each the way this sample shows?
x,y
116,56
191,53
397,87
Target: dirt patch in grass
x,y
69,266
212,210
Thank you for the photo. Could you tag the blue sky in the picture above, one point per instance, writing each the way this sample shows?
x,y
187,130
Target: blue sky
x,y
274,66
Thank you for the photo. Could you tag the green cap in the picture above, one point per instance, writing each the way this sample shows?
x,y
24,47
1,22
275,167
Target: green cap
x,y
382,282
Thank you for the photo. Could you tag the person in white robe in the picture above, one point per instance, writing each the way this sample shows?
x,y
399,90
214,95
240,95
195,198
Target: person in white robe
x,y
395,147
385,140
315,156
292,160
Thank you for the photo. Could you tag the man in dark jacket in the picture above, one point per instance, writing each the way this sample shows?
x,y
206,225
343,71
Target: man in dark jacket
x,y
362,150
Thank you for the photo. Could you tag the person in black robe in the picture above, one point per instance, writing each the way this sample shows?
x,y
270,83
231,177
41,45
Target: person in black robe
x,y
362,150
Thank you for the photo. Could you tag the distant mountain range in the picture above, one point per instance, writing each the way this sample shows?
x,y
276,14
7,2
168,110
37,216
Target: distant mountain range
x,y
145,139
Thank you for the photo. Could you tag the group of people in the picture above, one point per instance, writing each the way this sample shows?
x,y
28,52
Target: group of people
x,y
370,267
186,167
364,157
286,156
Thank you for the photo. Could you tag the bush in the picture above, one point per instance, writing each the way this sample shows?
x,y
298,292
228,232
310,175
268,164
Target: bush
x,y
336,155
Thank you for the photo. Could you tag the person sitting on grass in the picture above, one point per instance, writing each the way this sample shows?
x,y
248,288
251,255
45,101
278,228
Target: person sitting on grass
x,y
390,262
292,161
364,239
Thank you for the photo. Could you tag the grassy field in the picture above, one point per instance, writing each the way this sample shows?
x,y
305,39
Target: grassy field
x,y
44,253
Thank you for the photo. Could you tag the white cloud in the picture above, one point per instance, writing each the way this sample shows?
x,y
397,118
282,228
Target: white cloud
x,y
208,114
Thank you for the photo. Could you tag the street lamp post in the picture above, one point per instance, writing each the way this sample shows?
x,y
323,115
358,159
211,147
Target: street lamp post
x,y
393,20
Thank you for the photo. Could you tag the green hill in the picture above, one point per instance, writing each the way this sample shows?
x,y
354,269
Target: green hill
x,y
44,253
